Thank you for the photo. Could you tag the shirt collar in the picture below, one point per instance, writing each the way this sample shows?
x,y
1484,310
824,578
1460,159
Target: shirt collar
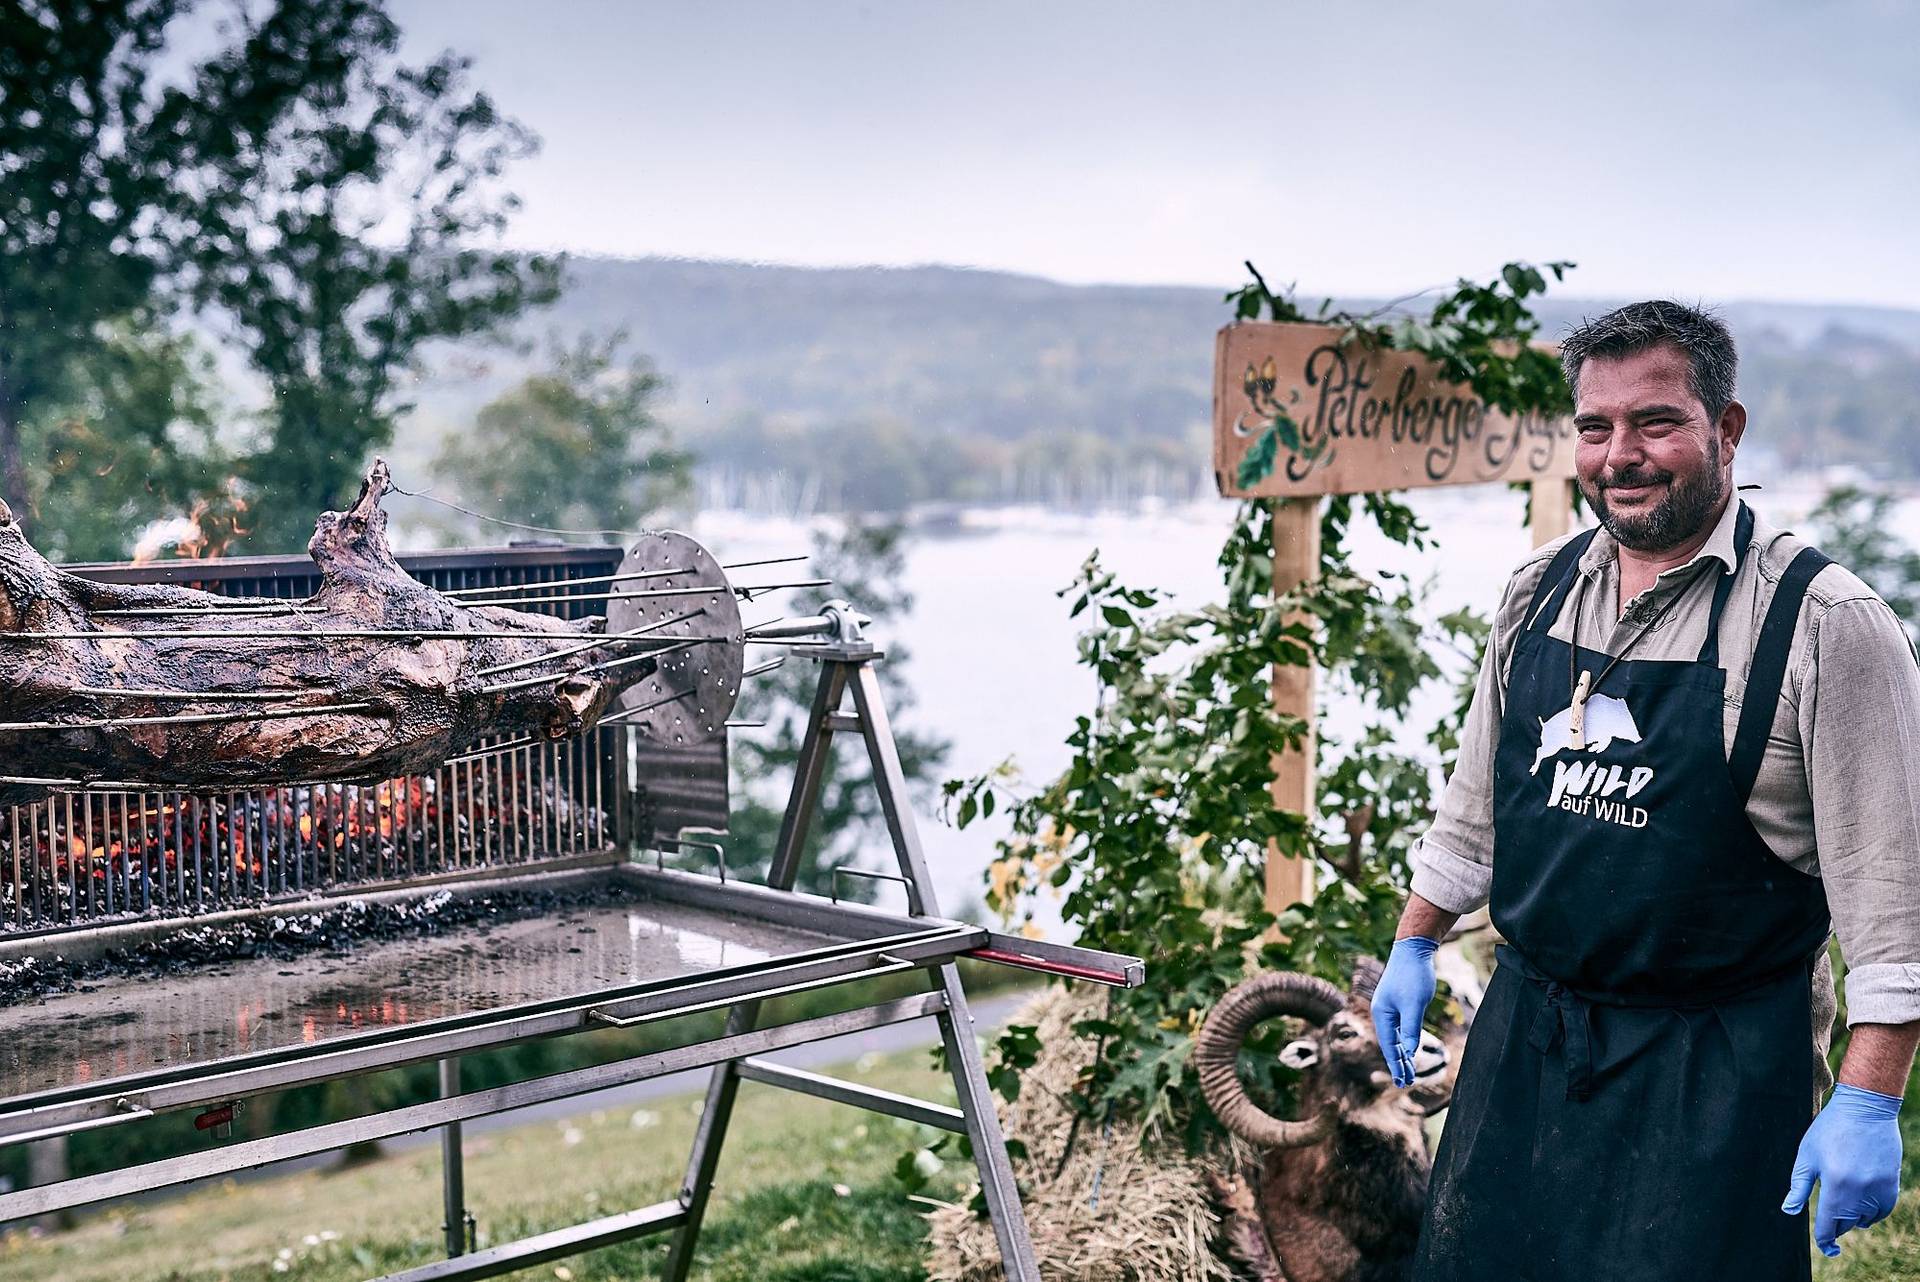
x,y
1604,551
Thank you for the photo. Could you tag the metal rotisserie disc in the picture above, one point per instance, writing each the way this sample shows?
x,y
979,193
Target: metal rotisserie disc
x,y
688,698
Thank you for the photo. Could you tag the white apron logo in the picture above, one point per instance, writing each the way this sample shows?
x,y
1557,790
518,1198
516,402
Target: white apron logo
x,y
1588,787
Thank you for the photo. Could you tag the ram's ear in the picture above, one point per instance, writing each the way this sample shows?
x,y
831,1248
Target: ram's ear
x,y
1300,1053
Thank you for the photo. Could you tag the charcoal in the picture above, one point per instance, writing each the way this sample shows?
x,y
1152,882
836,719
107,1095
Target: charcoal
x,y
300,929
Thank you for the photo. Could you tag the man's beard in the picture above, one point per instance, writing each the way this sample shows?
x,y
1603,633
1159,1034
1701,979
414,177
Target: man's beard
x,y
1675,519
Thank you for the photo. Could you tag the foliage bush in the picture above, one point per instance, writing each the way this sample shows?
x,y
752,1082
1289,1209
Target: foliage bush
x,y
1157,833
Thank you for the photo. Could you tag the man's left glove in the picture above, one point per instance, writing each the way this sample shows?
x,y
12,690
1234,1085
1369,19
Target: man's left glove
x,y
1853,1150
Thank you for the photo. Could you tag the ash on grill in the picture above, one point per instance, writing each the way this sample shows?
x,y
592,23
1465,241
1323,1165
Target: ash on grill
x,y
335,929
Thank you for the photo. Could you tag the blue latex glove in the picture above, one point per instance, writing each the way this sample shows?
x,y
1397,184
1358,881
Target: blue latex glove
x,y
1853,1150
1400,1003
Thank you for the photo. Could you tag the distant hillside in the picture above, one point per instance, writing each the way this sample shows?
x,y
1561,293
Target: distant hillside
x,y
874,387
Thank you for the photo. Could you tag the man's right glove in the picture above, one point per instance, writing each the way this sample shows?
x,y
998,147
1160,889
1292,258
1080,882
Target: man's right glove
x,y
1853,1150
1400,1003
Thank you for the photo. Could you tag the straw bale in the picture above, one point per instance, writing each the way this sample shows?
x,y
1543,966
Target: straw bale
x,y
1117,1211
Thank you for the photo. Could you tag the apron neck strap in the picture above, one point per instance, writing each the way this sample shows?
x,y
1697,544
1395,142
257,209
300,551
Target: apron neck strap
x,y
1723,585
1557,582
1551,594
1762,698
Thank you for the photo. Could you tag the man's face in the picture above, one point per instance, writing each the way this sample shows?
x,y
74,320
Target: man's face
x,y
1649,460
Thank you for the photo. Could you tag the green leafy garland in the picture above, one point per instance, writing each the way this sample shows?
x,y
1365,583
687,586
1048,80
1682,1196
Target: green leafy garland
x,y
1156,835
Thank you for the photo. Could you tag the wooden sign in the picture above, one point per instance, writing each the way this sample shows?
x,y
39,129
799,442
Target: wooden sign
x,y
1344,418
1347,418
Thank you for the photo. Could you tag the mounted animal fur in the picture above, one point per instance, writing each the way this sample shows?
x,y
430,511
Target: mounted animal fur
x,y
1339,1192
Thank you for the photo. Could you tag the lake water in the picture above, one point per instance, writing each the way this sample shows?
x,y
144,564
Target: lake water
x,y
992,649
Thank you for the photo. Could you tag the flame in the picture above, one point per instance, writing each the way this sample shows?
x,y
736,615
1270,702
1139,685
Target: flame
x,y
211,526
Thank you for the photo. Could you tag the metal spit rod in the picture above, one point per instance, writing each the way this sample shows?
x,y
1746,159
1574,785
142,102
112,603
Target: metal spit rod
x,y
747,591
315,634
742,590
196,718
236,696
517,664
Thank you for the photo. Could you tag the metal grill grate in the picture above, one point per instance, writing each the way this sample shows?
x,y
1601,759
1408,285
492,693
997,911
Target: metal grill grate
x,y
81,857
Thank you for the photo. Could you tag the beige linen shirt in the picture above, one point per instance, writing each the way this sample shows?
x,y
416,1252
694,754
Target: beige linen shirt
x,y
1838,793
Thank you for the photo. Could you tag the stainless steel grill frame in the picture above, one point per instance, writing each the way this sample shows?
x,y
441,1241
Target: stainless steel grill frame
x,y
858,944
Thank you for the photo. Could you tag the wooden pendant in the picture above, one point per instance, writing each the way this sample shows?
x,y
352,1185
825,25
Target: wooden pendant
x,y
1577,714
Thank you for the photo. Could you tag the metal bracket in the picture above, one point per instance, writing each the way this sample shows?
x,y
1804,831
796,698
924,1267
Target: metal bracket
x,y
834,886
469,1234
719,854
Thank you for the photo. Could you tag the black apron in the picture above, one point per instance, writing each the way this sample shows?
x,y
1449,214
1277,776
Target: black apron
x,y
1640,1072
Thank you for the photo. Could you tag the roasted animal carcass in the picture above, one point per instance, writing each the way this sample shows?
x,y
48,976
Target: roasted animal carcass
x,y
375,676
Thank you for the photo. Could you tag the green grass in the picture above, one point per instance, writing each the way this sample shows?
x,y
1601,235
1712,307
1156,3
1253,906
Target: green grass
x,y
805,1193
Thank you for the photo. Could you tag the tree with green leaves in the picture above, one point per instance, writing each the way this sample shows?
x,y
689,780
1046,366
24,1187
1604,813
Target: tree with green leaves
x,y
85,156
1856,526
340,200
1157,834
131,439
576,446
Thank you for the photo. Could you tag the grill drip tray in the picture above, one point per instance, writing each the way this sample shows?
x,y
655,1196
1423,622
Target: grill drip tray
x,y
611,943
127,1025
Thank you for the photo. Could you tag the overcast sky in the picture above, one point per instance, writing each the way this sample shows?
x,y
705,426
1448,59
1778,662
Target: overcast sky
x,y
1717,151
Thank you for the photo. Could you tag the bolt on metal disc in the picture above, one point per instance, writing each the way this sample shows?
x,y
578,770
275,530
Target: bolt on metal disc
x,y
688,697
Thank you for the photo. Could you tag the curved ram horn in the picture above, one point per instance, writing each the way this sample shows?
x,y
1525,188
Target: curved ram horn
x,y
1366,978
1217,1046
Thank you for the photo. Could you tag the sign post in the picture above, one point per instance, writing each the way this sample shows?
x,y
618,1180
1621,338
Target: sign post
x,y
1343,418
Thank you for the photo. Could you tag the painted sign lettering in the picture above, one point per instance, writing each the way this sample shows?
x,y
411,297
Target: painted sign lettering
x,y
1361,418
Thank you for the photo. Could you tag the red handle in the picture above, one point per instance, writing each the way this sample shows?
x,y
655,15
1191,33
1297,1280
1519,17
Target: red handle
x,y
1026,961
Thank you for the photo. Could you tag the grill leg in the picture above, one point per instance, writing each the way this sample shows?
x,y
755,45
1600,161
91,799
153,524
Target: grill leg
x,y
956,1021
724,1085
47,1164
453,1167
983,1130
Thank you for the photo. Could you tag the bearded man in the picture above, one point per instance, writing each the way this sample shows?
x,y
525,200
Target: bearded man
x,y
1689,760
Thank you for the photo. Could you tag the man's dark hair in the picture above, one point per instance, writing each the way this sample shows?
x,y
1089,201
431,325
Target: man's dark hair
x,y
1639,326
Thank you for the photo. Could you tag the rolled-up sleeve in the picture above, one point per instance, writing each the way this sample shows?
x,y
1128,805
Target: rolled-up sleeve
x,y
1453,860
1859,720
